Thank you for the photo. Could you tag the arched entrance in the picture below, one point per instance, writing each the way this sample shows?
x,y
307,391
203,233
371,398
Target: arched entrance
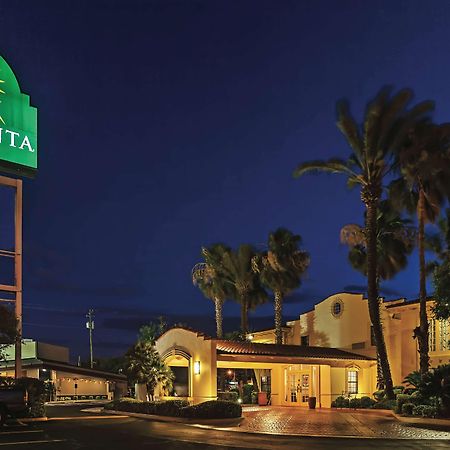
x,y
179,361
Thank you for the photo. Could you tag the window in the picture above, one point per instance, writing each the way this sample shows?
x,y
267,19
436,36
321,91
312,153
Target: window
x,y
304,340
444,335
432,335
352,382
337,307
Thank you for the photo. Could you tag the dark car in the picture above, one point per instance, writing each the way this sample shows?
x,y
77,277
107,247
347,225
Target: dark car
x,y
13,400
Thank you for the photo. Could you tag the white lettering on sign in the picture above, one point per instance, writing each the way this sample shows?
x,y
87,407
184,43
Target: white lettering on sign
x,y
12,140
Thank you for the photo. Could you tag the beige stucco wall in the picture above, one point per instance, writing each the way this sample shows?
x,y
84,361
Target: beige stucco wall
x,y
203,386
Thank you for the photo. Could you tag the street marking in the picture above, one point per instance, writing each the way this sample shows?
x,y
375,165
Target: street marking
x,y
33,442
2,433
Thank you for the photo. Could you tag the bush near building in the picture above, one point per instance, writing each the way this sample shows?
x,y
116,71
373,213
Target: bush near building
x,y
214,409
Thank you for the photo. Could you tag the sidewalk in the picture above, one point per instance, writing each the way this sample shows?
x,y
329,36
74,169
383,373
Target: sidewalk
x,y
328,422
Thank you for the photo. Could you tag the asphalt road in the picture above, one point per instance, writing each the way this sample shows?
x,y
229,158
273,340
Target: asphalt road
x,y
70,429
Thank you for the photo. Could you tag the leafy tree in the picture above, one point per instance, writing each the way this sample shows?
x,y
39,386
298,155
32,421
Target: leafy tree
x,y
413,379
441,281
8,329
152,331
435,384
208,277
280,269
144,366
386,124
245,285
439,243
424,185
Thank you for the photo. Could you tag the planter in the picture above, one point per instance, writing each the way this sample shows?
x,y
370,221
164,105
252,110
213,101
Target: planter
x,y
262,398
312,402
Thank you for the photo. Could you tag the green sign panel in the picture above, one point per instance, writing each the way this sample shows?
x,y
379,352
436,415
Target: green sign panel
x,y
18,126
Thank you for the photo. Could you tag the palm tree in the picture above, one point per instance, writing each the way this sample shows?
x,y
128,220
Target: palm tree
x,y
280,270
439,243
385,127
207,276
395,242
144,366
246,287
424,165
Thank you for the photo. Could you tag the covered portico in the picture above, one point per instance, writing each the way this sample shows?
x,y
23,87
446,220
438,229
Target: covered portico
x,y
296,372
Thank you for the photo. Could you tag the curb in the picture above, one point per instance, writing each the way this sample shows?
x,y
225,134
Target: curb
x,y
422,421
186,421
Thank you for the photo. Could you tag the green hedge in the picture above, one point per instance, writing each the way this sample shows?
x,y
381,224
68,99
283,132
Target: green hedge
x,y
231,396
214,409
166,408
407,409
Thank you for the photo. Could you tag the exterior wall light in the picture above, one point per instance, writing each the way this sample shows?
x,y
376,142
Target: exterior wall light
x,y
196,367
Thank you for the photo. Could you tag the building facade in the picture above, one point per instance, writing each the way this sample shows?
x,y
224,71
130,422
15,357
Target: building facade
x,y
50,363
342,321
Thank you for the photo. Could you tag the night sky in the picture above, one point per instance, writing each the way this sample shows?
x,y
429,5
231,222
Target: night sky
x,y
168,125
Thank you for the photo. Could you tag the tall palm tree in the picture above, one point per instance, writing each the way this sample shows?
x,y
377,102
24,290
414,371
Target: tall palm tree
x,y
395,242
207,276
424,186
247,290
280,269
386,123
439,243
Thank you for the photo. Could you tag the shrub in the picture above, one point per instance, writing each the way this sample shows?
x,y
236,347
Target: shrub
x,y
399,388
354,403
436,384
231,396
402,399
385,404
254,397
214,409
429,411
417,410
407,409
341,402
247,393
367,402
379,395
165,408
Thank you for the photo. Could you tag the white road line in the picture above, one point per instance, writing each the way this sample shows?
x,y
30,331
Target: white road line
x,y
33,442
2,433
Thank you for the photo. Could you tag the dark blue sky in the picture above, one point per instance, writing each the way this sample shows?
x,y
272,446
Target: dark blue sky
x,y
168,125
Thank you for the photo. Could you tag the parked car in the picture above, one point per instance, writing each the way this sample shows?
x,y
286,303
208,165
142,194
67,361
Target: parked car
x,y
13,400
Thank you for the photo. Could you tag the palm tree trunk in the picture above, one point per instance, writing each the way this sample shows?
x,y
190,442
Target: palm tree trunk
x,y
244,316
218,303
278,305
422,335
372,292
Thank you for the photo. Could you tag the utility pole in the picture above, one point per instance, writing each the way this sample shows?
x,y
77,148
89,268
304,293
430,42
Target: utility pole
x,y
90,326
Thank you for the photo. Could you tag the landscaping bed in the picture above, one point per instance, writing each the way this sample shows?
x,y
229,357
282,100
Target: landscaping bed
x,y
181,409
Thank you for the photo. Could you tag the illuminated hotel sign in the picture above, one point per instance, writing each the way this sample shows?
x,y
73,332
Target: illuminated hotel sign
x,y
18,126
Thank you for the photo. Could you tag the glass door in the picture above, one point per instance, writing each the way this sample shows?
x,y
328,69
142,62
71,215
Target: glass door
x,y
297,389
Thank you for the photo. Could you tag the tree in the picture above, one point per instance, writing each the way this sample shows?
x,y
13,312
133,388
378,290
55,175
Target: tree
x,y
280,269
8,329
439,243
152,331
386,124
424,164
395,242
441,281
246,287
209,279
144,366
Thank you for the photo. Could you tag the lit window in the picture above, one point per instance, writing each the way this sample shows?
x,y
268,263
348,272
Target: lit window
x,y
432,335
352,382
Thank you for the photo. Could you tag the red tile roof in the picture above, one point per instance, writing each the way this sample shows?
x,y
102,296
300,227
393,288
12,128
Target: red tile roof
x,y
301,351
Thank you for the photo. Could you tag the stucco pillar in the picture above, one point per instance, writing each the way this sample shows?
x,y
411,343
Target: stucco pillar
x,y
324,399
140,392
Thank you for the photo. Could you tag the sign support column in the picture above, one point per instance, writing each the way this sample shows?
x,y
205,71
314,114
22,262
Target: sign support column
x,y
18,276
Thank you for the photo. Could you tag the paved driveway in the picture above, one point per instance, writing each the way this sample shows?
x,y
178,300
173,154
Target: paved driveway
x,y
326,422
